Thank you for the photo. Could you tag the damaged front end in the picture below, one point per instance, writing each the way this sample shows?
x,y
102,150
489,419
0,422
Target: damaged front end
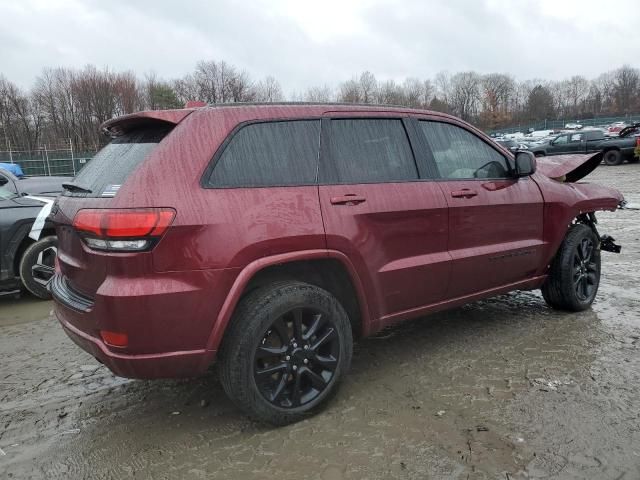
x,y
607,242
575,201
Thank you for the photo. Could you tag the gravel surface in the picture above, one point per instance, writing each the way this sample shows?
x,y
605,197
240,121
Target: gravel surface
x,y
505,388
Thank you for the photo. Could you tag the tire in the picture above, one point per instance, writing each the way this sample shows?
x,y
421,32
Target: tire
x,y
263,359
634,160
574,276
37,266
613,157
539,154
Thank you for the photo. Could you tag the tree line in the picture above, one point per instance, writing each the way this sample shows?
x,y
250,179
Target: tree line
x,y
68,105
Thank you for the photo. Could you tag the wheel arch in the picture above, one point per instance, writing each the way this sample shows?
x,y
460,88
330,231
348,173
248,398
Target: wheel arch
x,y
328,269
585,216
608,148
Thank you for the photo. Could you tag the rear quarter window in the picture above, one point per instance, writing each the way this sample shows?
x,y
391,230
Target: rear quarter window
x,y
278,153
112,165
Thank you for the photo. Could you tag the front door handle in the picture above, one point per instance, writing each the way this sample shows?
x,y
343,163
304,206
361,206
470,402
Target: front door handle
x,y
464,193
348,199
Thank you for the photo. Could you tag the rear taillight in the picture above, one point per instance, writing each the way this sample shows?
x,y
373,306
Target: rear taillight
x,y
123,230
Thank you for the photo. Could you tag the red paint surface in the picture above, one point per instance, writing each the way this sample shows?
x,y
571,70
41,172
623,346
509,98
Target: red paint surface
x,y
410,248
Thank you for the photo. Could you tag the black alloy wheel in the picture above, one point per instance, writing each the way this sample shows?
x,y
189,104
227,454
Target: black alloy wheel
x,y
285,351
585,270
297,357
573,279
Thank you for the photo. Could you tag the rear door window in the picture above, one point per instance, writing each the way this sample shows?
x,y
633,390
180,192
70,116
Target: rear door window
x,y
368,151
111,166
283,153
459,154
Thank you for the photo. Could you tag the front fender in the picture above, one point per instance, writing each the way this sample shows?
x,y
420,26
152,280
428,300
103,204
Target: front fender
x,y
563,202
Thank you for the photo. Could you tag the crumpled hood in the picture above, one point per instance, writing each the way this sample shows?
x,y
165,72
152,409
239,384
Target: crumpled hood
x,y
568,168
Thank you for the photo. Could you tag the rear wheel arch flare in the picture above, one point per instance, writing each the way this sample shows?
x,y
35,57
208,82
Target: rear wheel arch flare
x,y
329,274
316,267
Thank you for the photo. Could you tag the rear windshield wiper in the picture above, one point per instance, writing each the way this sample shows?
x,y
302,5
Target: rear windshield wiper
x,y
72,187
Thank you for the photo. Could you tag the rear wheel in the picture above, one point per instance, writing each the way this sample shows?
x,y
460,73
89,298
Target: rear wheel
x,y
539,154
287,347
575,271
613,157
37,266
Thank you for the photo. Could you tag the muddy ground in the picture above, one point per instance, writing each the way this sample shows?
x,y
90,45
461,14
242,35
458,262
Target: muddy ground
x,y
504,388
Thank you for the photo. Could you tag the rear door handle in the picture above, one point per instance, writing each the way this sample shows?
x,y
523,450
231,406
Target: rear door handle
x,y
348,199
464,193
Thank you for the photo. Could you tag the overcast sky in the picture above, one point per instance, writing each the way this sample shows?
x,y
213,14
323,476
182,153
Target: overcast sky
x,y
304,43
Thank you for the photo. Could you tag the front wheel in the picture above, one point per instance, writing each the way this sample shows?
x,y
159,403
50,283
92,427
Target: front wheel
x,y
37,266
574,277
287,348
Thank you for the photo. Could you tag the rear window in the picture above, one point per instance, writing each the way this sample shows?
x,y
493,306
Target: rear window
x,y
111,166
283,153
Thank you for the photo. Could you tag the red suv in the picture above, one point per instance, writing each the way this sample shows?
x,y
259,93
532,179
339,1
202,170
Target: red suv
x,y
265,237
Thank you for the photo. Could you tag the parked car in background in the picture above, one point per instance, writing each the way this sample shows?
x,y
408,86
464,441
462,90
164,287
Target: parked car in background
x,y
614,129
585,141
510,144
264,237
27,254
615,150
531,142
540,134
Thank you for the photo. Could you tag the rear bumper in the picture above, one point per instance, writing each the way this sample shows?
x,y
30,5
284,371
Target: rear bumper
x,y
168,319
145,366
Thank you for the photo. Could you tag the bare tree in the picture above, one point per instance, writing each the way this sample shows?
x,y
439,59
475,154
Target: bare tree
x,y
465,94
269,90
368,87
69,104
390,93
443,87
413,93
626,82
322,94
350,92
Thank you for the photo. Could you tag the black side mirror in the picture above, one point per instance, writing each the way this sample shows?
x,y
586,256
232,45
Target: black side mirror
x,y
525,164
3,180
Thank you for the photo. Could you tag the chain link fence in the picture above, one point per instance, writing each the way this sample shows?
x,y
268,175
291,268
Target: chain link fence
x,y
46,160
560,124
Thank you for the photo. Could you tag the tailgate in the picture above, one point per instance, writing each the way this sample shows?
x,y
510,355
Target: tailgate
x,y
96,186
